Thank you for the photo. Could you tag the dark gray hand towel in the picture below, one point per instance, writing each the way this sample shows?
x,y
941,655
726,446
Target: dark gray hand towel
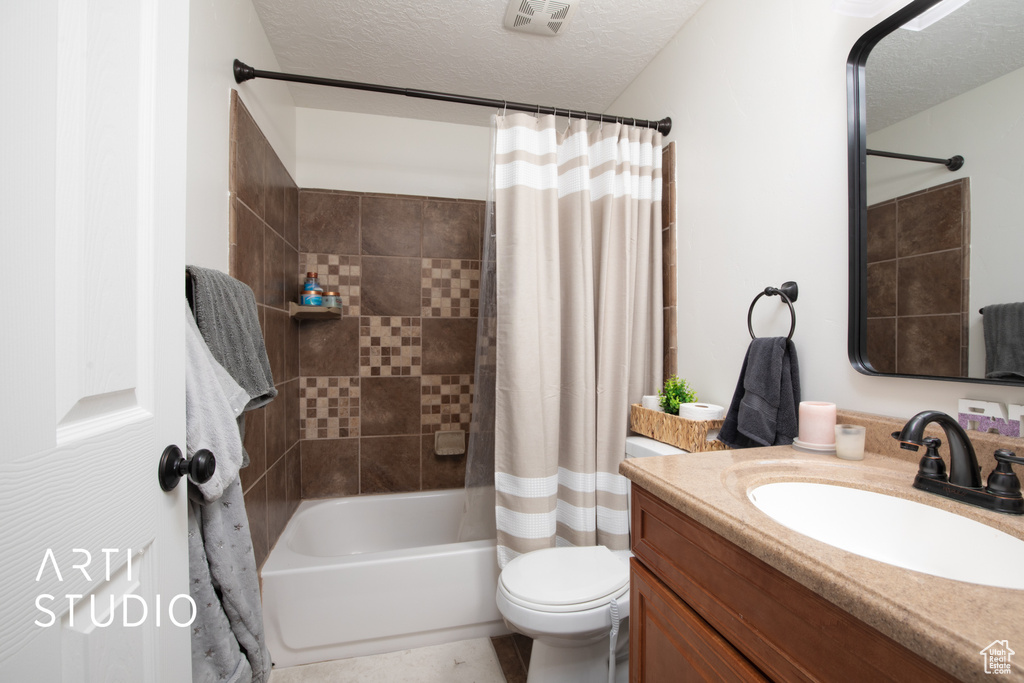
x,y
1004,340
225,311
763,411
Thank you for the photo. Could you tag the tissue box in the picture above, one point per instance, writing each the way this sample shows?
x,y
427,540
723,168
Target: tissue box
x,y
690,435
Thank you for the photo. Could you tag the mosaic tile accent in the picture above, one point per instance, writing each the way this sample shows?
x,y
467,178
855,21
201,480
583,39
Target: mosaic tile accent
x,y
329,407
389,346
487,345
446,402
451,288
336,274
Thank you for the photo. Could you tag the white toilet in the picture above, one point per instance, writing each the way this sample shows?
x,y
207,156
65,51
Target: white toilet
x,y
570,599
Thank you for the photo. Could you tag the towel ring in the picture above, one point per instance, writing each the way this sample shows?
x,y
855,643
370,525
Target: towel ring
x,y
788,293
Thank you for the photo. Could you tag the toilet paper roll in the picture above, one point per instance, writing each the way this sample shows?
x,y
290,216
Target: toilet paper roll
x,y
651,403
701,411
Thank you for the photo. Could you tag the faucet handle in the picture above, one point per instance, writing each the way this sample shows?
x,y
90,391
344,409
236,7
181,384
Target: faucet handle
x,y
1007,456
932,465
1003,481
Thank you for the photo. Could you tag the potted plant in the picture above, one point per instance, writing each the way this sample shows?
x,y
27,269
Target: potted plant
x,y
674,392
667,426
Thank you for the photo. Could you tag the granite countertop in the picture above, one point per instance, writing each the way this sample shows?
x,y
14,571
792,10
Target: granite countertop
x,y
945,621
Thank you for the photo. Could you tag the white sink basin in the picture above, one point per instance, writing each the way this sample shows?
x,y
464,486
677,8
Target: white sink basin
x,y
899,532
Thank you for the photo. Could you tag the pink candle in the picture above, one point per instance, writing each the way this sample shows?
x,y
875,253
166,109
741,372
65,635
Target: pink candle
x,y
817,423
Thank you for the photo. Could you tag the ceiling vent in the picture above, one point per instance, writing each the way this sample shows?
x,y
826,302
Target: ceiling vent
x,y
543,17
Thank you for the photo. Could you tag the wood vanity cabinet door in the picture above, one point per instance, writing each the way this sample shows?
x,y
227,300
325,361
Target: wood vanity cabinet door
x,y
786,630
670,642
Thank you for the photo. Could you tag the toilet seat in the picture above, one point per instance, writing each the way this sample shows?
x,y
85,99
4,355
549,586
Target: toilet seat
x,y
564,579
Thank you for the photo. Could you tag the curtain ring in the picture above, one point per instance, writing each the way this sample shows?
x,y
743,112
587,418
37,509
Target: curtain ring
x,y
504,107
568,124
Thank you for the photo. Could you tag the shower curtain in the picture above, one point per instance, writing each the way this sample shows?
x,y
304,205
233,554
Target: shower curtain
x,y
577,218
478,514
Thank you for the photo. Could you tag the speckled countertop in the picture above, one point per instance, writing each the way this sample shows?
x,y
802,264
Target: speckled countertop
x,y
947,622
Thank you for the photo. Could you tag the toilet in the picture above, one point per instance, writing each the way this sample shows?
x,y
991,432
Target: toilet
x,y
569,600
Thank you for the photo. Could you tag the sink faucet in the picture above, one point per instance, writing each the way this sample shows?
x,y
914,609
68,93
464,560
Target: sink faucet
x,y
1001,493
963,462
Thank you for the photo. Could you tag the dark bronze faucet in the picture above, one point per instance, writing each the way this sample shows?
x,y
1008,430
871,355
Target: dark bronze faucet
x,y
1001,493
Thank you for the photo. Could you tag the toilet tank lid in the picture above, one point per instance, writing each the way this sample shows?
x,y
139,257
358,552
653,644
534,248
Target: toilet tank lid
x,y
565,576
642,447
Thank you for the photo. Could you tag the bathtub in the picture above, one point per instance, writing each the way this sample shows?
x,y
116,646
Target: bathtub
x,y
372,574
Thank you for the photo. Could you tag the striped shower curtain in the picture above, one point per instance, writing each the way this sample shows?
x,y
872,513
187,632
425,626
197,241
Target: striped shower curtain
x,y
579,324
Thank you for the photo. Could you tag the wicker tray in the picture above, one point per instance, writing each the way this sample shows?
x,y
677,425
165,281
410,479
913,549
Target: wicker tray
x,y
690,435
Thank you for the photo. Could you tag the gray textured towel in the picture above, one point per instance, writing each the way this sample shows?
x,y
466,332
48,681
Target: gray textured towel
x,y
1004,340
227,635
763,411
228,641
225,311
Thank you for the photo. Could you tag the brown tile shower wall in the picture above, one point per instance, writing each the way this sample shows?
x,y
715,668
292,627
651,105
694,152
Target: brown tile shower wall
x,y
668,257
264,235
918,278
398,366
361,397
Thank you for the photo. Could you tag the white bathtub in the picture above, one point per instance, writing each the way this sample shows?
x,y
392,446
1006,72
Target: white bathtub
x,y
371,574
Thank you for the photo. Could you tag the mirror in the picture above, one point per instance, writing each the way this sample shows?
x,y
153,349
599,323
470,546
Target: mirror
x,y
935,239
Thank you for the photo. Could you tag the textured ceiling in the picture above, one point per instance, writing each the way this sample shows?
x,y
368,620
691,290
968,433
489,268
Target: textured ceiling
x,y
463,48
910,71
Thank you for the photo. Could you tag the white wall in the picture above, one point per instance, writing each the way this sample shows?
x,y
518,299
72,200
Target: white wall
x,y
369,153
983,126
220,31
757,94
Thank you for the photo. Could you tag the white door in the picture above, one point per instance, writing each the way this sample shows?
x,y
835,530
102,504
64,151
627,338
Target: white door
x,y
92,186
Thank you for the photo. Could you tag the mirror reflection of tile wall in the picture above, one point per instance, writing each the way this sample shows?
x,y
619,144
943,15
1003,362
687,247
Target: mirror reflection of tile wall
x,y
918,279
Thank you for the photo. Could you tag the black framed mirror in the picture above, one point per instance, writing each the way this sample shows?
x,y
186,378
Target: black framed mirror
x,y
936,183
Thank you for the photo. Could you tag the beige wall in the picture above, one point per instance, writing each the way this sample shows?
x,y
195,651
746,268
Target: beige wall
x,y
757,94
367,153
219,32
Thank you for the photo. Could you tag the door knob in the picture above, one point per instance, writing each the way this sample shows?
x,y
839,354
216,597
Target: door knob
x,y
174,466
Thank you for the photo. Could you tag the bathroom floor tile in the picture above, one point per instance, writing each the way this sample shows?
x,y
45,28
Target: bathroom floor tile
x,y
466,661
511,662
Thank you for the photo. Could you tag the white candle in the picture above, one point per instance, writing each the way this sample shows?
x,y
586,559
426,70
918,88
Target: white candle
x,y
850,441
817,423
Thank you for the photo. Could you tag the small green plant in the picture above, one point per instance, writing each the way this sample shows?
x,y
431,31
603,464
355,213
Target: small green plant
x,y
674,392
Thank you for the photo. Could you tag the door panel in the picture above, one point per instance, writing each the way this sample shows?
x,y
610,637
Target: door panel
x,y
92,226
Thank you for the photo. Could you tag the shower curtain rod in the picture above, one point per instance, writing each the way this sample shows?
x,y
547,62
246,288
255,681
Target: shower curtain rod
x,y
244,72
953,163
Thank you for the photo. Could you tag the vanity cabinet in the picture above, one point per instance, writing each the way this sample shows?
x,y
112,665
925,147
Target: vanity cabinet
x,y
702,608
